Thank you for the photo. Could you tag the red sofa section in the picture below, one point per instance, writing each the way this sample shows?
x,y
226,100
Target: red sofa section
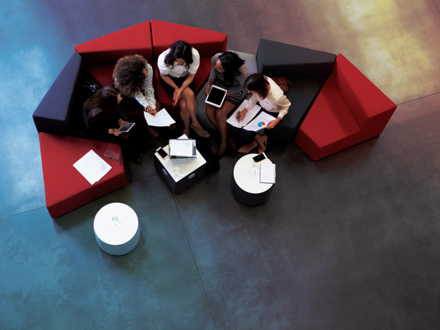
x,y
66,189
349,109
100,55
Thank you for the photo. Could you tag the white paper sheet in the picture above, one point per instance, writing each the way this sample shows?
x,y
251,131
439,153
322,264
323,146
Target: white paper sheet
x,y
250,114
162,119
181,148
92,167
259,122
267,173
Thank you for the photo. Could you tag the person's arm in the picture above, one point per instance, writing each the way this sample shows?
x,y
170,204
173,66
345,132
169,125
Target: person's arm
x,y
147,97
283,103
212,74
185,84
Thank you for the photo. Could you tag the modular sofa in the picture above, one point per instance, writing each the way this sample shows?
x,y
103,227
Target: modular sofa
x,y
59,115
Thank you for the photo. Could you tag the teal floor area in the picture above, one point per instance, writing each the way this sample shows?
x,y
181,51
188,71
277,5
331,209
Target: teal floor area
x,y
349,242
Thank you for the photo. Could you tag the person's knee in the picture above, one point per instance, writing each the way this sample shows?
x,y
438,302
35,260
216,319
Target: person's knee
x,y
188,94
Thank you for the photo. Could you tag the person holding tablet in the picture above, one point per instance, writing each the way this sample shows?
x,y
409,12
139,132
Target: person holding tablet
x,y
228,72
103,118
178,66
133,76
272,99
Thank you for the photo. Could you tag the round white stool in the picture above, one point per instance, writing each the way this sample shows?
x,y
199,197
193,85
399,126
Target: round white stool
x,y
116,228
246,186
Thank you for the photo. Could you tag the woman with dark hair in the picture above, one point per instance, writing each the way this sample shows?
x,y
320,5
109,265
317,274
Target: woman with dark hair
x,y
133,76
272,99
178,66
103,117
230,72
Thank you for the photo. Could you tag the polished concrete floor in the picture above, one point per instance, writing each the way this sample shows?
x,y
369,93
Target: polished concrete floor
x,y
349,242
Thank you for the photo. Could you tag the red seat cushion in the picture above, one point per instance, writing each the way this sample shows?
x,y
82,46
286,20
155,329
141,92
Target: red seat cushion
x,y
103,74
329,119
65,188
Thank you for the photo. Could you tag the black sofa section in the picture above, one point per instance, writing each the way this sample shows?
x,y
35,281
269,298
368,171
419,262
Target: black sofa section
x,y
60,111
310,69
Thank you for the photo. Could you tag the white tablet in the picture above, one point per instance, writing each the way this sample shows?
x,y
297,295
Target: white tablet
x,y
216,96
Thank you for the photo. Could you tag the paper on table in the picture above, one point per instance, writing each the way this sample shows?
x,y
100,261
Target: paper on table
x,y
181,147
92,167
267,173
250,114
259,122
162,119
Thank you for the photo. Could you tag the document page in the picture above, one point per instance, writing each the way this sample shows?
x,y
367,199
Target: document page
x,y
182,147
267,173
92,167
259,122
250,114
162,119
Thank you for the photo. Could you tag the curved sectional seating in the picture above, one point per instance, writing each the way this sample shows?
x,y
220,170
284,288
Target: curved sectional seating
x,y
334,106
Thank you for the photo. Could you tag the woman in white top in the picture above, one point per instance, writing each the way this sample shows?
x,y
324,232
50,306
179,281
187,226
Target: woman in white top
x,y
133,76
178,66
271,98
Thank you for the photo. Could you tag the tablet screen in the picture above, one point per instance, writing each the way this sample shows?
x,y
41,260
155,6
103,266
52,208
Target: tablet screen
x,y
216,96
126,127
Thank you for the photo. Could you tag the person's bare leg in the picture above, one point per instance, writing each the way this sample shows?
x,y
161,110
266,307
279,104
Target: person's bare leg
x,y
184,114
223,127
210,113
262,141
189,97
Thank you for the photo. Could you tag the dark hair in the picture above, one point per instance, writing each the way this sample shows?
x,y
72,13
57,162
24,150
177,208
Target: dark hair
x,y
257,82
231,62
105,100
180,49
128,74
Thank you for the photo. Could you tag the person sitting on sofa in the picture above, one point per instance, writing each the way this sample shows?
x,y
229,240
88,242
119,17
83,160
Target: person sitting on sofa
x,y
103,118
272,99
229,72
178,66
133,76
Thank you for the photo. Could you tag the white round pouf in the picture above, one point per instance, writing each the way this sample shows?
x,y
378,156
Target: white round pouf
x,y
116,228
246,186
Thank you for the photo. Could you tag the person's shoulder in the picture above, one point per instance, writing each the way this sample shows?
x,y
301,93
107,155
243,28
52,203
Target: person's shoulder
x,y
195,52
164,53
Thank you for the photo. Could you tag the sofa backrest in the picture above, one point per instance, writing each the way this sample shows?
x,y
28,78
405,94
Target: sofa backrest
x,y
280,59
55,113
362,97
207,42
107,49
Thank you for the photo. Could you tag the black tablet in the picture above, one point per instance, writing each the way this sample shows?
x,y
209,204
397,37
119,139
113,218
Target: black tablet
x,y
216,96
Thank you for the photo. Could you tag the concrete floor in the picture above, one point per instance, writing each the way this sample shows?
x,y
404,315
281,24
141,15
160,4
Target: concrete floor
x,y
349,242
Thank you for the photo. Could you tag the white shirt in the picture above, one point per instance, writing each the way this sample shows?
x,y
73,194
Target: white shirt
x,y
178,70
275,100
146,99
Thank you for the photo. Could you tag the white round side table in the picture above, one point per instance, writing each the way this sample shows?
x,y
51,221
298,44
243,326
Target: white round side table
x,y
116,228
246,186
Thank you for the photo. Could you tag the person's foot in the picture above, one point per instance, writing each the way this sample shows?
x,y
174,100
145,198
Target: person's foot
x,y
261,141
221,151
248,147
153,132
200,131
232,143
186,131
